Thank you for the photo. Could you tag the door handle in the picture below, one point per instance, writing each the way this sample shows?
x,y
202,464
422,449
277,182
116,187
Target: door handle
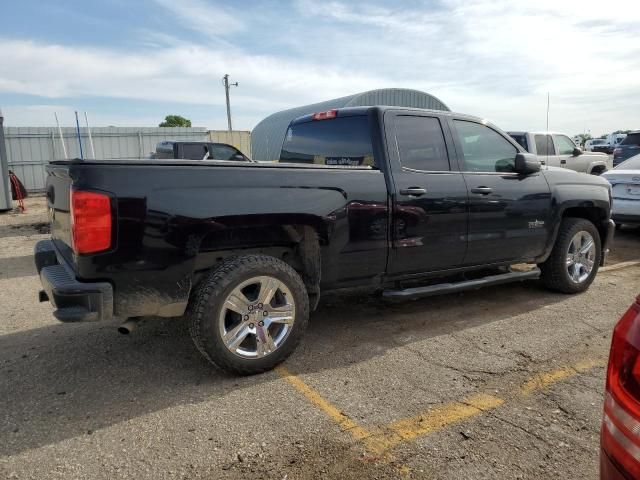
x,y
563,162
482,190
413,191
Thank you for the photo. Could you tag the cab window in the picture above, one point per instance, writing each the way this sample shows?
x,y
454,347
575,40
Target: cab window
x,y
544,145
484,149
420,143
344,141
565,145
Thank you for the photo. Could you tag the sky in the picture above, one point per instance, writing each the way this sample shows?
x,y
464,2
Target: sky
x,y
130,63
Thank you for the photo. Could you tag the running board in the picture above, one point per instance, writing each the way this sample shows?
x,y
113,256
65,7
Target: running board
x,y
417,292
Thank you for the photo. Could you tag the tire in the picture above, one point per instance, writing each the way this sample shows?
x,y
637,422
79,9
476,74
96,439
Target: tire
x,y
555,270
214,316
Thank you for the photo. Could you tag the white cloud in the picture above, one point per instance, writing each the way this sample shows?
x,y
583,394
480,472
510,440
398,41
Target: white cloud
x,y
208,19
496,59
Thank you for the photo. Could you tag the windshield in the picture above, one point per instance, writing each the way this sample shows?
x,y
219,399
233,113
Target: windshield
x,y
338,141
597,142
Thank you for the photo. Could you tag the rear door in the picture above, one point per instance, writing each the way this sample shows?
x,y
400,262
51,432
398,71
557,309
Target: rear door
x,y
429,220
508,212
546,150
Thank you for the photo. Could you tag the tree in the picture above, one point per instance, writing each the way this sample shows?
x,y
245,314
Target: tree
x,y
175,121
584,137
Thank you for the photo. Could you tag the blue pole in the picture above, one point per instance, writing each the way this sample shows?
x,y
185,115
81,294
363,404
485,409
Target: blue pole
x,y
79,139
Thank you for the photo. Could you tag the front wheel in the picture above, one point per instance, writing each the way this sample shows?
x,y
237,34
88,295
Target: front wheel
x,y
249,314
575,258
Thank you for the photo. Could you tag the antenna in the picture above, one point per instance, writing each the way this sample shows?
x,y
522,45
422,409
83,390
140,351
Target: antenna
x,y
93,152
64,148
548,136
548,101
79,138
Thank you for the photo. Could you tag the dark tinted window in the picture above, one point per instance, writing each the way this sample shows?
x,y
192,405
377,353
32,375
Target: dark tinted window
x,y
336,141
194,151
222,152
631,139
521,139
421,144
544,145
484,149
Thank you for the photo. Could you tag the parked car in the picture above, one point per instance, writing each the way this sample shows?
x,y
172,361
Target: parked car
x,y
625,183
596,145
448,203
199,151
628,148
620,432
613,140
558,150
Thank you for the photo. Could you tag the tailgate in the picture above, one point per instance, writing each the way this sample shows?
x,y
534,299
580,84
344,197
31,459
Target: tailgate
x,y
58,188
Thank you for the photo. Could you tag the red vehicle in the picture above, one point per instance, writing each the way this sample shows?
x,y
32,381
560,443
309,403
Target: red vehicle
x,y
620,436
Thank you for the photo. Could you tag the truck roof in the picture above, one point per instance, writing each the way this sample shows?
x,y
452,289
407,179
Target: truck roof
x,y
354,111
524,132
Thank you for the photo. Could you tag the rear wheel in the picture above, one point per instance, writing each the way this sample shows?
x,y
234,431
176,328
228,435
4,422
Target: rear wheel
x,y
575,257
249,314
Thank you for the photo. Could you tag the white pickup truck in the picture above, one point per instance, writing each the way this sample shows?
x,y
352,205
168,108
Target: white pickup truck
x,y
558,150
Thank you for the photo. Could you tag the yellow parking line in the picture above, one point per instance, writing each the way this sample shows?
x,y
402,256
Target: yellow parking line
x,y
619,266
345,423
543,380
432,420
380,440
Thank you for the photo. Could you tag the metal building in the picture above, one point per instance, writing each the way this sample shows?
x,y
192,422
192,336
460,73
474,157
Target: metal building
x,y
268,135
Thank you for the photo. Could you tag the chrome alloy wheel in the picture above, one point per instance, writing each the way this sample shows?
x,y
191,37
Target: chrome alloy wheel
x,y
581,256
256,317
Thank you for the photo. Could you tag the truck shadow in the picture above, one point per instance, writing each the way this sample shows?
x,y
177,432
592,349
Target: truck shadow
x,y
64,381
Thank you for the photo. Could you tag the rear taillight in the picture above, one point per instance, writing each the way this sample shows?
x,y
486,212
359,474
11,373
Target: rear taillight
x,y
90,221
617,151
325,115
621,421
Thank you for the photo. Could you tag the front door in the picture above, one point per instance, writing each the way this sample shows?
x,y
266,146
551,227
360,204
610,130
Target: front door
x,y
565,148
508,212
429,220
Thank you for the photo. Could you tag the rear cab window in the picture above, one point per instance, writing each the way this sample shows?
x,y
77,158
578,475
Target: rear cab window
x,y
344,141
521,138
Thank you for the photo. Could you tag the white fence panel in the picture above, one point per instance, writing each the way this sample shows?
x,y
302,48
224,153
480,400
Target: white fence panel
x,y
29,149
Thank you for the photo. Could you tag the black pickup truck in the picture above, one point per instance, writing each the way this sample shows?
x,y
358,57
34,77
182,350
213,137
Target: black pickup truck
x,y
406,202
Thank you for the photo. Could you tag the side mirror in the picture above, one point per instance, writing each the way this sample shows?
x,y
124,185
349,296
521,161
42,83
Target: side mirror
x,y
238,156
527,163
577,151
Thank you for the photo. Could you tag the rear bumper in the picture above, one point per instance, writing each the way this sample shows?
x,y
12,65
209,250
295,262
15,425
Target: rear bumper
x,y
74,301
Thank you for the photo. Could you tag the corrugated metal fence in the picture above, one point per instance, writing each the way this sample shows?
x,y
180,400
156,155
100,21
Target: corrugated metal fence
x,y
29,149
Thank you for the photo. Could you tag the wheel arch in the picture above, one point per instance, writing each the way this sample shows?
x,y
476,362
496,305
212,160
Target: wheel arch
x,y
297,243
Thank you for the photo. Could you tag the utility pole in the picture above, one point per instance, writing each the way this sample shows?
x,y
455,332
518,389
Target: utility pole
x,y
225,82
